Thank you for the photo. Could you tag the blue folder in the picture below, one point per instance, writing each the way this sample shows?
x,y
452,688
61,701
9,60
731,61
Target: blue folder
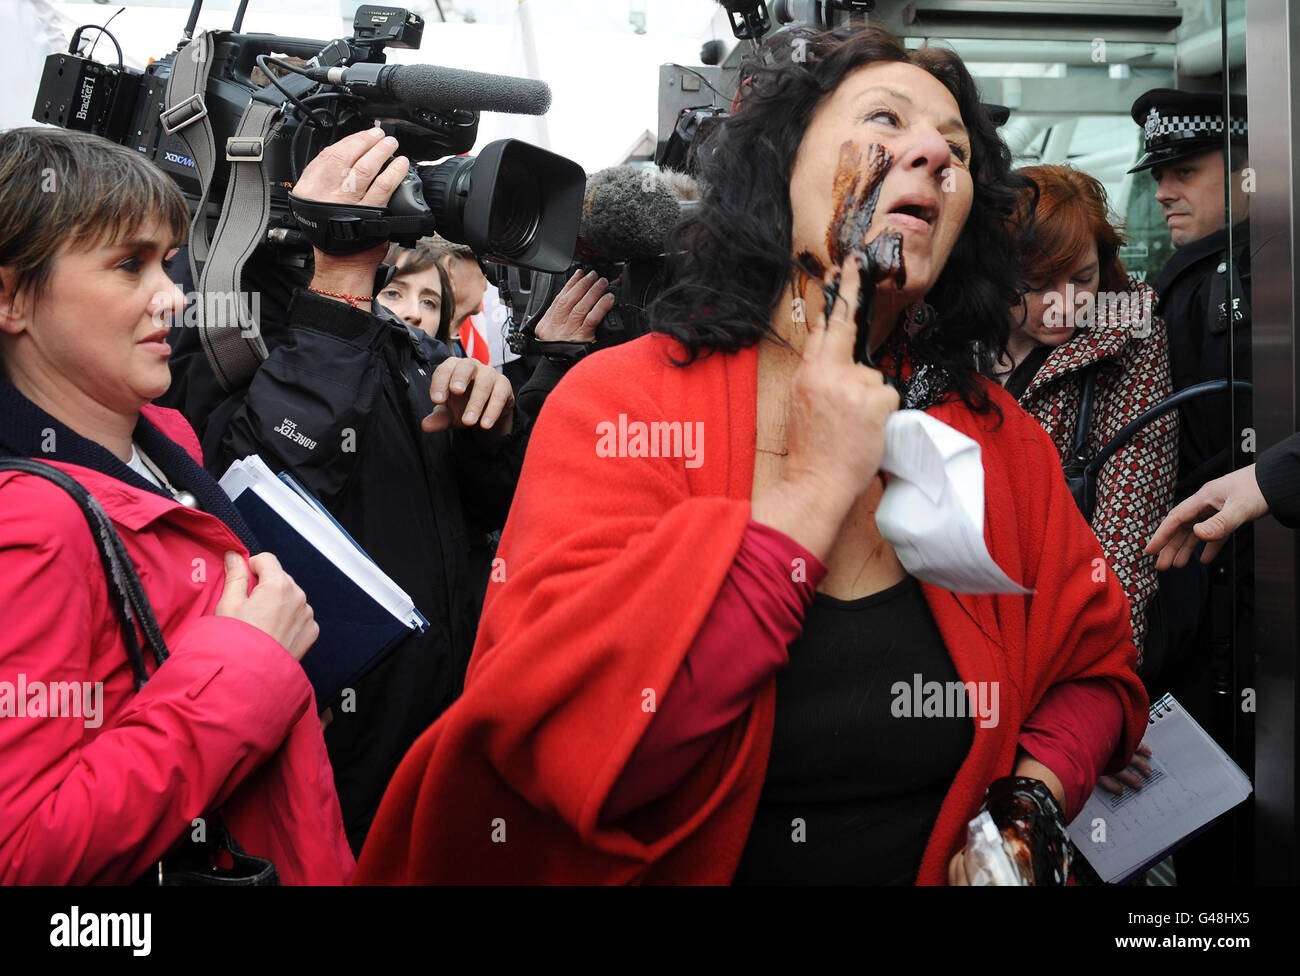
x,y
356,631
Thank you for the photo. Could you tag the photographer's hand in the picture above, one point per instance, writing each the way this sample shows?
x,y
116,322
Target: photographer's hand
x,y
352,170
467,393
579,307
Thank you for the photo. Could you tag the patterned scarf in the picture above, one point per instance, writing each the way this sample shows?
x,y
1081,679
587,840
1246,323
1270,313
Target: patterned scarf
x,y
920,384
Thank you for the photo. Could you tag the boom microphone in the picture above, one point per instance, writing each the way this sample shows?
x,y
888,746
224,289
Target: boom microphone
x,y
434,87
627,213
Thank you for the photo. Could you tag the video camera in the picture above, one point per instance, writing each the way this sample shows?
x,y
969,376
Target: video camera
x,y
694,100
628,213
233,118
525,210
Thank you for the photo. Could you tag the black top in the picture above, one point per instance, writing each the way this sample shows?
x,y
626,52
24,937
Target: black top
x,y
856,768
1020,378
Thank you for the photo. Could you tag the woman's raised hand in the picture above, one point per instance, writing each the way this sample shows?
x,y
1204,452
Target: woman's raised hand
x,y
835,420
835,428
277,606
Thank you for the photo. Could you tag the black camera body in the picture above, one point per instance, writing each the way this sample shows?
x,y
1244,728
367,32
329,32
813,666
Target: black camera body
x,y
514,202
693,100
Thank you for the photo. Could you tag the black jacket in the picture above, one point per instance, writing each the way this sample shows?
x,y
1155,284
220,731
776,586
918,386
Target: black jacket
x,y
1193,294
1196,604
1278,473
338,403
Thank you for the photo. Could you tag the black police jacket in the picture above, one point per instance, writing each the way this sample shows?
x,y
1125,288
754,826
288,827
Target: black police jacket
x,y
1278,474
1193,291
338,404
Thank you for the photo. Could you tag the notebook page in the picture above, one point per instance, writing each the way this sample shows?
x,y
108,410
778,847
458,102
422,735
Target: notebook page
x,y
1193,781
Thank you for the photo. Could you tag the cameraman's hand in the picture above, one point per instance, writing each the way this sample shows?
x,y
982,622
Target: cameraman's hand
x,y
468,393
277,606
352,170
579,307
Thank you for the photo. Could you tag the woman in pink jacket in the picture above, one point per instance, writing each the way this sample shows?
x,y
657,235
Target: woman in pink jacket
x,y
99,781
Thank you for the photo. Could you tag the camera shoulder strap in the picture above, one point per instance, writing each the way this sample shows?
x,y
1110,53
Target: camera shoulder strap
x,y
228,329
186,117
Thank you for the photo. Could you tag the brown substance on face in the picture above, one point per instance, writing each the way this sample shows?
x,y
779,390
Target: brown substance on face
x,y
810,268
810,264
855,198
856,194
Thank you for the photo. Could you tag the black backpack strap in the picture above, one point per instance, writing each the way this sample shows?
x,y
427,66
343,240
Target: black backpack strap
x,y
1084,426
124,589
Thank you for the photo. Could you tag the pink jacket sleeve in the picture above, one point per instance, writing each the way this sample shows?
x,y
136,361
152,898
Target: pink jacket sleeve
x,y
1074,731
743,642
99,799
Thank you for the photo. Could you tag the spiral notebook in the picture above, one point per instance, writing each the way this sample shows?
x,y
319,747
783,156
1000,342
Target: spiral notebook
x,y
1192,782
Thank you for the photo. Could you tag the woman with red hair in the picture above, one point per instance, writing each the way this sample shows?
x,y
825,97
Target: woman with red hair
x,y
1084,322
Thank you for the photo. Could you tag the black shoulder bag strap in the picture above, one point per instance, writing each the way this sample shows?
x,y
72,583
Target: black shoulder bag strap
x,y
1078,475
191,862
124,589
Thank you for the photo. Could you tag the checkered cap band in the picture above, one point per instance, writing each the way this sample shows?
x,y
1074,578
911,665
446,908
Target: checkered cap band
x,y
1159,127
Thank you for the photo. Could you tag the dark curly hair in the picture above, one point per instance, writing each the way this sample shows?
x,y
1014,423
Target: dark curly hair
x,y
731,260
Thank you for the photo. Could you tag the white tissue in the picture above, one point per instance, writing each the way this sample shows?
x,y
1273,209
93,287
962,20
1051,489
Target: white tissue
x,y
932,511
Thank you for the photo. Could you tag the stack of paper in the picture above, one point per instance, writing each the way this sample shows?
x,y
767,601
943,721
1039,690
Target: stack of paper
x,y
361,612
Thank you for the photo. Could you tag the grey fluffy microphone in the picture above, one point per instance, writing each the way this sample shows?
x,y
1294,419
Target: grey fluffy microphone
x,y
435,87
627,213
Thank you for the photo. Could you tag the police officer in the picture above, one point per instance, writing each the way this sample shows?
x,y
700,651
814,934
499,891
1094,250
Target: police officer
x,y
1204,300
1184,154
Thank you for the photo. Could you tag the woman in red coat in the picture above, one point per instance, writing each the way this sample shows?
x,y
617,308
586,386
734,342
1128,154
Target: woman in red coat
x,y
700,660
100,781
